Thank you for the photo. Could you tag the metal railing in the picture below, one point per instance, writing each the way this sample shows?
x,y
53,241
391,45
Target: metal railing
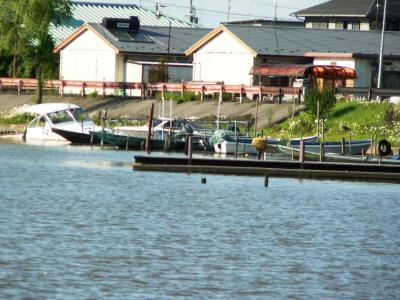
x,y
277,93
368,93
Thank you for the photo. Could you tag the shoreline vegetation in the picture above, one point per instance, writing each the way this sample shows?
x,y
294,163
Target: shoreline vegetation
x,y
347,119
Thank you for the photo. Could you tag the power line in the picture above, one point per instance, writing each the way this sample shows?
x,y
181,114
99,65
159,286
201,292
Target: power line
x,y
218,12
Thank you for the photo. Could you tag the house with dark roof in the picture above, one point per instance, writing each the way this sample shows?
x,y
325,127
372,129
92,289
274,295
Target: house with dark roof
x,y
282,56
94,12
293,22
121,50
351,15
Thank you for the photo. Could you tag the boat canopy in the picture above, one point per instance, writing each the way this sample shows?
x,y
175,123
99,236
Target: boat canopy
x,y
47,108
326,71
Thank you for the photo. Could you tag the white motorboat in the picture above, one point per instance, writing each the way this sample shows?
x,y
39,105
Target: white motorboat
x,y
225,142
162,126
63,116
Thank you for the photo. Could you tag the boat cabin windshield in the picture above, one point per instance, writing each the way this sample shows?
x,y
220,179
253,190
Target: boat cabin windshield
x,y
71,115
60,117
79,114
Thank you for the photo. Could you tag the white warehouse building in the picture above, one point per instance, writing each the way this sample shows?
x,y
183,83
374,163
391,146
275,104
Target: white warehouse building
x,y
120,50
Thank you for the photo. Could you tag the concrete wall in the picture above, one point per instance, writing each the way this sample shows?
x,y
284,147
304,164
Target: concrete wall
x,y
223,59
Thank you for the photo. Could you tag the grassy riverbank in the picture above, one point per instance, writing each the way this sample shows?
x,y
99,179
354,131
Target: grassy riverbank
x,y
135,108
360,119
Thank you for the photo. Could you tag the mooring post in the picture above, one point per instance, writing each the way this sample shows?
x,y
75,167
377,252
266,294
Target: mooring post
x,y
91,140
237,145
302,149
266,179
150,122
343,143
190,146
350,142
323,140
127,143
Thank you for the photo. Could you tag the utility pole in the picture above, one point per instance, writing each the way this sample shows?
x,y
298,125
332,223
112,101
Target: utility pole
x,y
382,47
190,10
275,23
168,51
229,9
192,13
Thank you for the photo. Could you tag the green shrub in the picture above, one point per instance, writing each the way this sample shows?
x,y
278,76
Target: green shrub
x,y
93,94
326,99
17,119
178,97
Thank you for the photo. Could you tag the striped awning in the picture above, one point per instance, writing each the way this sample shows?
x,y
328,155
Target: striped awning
x,y
326,71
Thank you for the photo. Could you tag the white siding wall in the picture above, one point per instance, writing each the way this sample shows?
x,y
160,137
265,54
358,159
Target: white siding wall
x,y
133,73
341,62
88,58
223,59
364,25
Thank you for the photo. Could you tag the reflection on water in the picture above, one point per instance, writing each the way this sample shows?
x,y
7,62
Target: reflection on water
x,y
79,223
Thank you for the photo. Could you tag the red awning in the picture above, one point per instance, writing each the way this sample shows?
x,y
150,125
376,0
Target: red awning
x,y
302,70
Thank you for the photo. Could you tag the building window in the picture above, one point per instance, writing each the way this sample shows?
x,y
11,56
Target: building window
x,y
351,25
320,25
356,25
338,25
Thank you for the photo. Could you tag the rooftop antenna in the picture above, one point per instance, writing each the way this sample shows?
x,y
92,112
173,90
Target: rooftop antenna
x,y
382,47
158,5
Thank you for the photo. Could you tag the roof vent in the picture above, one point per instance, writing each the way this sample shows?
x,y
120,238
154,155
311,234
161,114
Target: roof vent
x,y
123,24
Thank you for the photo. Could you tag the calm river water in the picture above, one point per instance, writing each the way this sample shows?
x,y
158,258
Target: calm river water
x,y
77,223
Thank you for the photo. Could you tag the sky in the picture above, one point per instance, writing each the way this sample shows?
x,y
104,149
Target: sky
x,y
213,12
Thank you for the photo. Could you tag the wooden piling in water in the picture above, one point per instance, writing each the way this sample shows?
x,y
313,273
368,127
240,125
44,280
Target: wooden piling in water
x,y
190,146
342,144
150,121
302,150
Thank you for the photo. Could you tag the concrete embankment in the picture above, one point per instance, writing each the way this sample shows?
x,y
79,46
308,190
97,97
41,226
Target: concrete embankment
x,y
136,108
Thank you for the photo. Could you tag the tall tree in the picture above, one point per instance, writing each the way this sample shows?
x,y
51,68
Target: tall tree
x,y
25,24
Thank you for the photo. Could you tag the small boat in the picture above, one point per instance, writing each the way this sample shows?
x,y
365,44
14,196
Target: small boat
x,y
335,157
355,147
52,116
160,128
76,137
225,142
123,141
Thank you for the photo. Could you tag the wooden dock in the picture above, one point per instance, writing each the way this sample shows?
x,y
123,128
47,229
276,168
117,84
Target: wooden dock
x,y
291,169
